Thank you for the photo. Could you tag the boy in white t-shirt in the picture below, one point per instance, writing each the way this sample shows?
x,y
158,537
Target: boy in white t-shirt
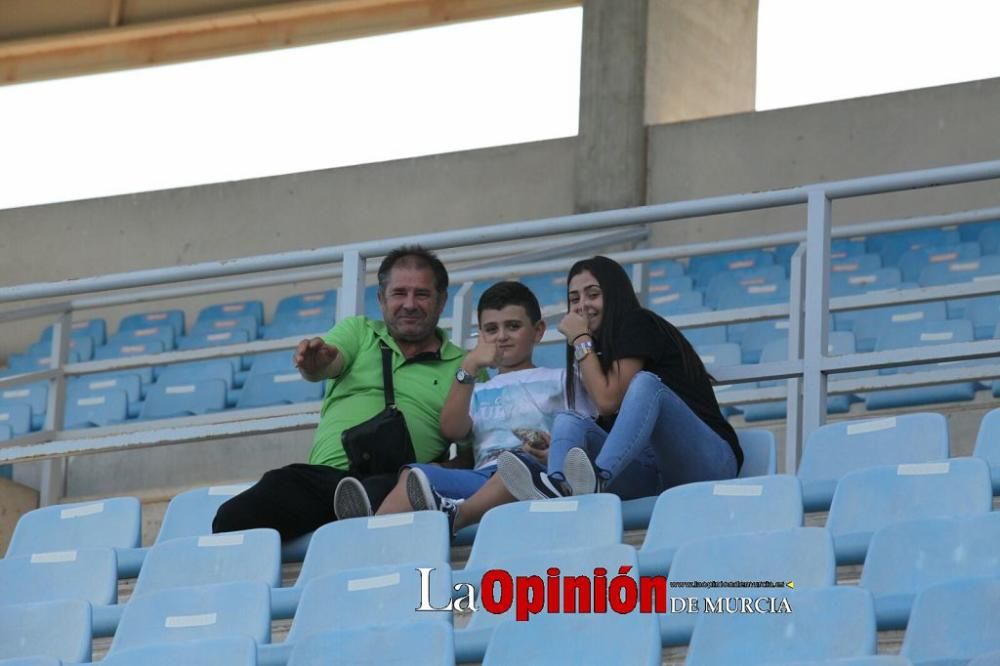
x,y
512,411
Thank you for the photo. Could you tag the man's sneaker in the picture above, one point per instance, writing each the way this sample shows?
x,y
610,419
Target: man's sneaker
x,y
581,473
350,500
423,497
528,482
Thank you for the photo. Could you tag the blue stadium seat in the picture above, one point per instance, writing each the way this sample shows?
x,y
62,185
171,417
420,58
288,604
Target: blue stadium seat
x,y
954,622
720,355
758,504
988,445
95,409
5,432
253,309
82,344
35,395
165,333
752,277
922,334
803,555
869,325
960,271
857,264
172,318
753,337
828,623
29,363
217,340
549,288
705,335
372,309
268,362
972,231
411,644
577,639
676,303
984,313
841,248
164,401
550,355
849,284
908,557
120,350
285,388
664,268
703,267
238,651
89,574
112,523
989,238
58,630
870,499
95,328
246,323
196,371
287,328
729,298
914,261
892,246
17,416
665,285
835,449
327,300
471,642
128,381
184,614
191,512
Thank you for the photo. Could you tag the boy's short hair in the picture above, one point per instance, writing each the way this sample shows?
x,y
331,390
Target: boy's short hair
x,y
502,294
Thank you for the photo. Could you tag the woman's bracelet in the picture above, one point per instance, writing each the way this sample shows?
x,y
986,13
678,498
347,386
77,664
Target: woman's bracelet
x,y
580,336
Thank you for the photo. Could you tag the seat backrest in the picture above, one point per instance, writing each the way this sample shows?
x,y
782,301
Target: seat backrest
x,y
914,261
119,350
988,439
759,453
114,523
253,309
236,651
279,388
720,355
88,385
16,415
184,614
93,409
703,267
165,333
95,328
192,371
315,299
191,512
954,622
286,328
90,574
82,344
674,303
218,339
57,629
172,318
276,361
960,271
410,644
169,400
664,268
844,284
925,334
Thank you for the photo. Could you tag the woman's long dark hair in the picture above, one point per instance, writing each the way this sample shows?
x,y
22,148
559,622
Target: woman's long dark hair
x,y
620,299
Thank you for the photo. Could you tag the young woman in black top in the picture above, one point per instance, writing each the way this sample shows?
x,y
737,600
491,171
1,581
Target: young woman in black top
x,y
659,425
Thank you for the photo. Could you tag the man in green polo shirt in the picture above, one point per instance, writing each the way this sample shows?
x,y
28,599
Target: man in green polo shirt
x,y
413,289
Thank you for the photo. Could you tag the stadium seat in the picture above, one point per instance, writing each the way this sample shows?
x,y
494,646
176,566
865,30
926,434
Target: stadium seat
x,y
960,271
802,555
908,557
284,388
828,623
288,328
172,318
89,574
988,445
95,409
659,286
16,416
35,395
120,350
632,638
112,523
922,334
184,614
236,651
869,499
857,264
849,284
95,328
984,313
253,309
549,288
5,432
757,504
675,303
314,299
550,355
835,449
472,641
914,261
972,231
720,355
869,325
191,512
753,337
703,267
411,644
268,362
247,323
728,282
83,345
165,401
953,622
226,338
892,246
705,335
128,381
57,630
30,363
196,371
841,248
664,268
733,297
165,334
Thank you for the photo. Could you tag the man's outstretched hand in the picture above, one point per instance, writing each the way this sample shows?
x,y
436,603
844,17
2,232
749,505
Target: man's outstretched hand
x,y
314,358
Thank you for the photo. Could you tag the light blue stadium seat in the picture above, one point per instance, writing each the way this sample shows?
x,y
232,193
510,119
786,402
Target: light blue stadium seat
x,y
835,449
664,269
953,622
668,285
287,328
676,303
544,525
313,299
196,371
372,309
185,614
914,261
869,325
892,246
165,333
705,335
823,624
751,277
410,644
17,416
759,459
28,363
128,381
549,288
703,267
841,248
113,523
960,271
908,557
984,313
57,630
719,356
82,344
246,323
857,264
89,574
220,339
849,284
753,337
988,445
236,651
472,641
35,395
191,512
276,361
120,350
730,298
974,230
253,309
922,334
164,401
95,328
736,506
577,639
870,499
550,355
95,409
172,318
803,555
281,388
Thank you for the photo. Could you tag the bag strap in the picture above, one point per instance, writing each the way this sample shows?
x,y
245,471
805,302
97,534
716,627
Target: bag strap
x,y
390,394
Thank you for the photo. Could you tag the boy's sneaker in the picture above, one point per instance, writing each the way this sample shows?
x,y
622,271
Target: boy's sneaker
x,y
528,482
423,497
350,500
581,473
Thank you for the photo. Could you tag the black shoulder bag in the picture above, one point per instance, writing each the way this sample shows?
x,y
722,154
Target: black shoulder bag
x,y
382,444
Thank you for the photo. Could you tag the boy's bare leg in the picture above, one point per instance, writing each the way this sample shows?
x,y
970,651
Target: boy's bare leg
x,y
397,501
493,493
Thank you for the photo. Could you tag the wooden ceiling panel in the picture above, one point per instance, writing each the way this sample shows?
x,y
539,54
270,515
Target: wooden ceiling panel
x,y
21,19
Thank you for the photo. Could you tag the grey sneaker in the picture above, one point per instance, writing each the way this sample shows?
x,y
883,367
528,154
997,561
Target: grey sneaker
x,y
350,500
528,482
581,473
423,497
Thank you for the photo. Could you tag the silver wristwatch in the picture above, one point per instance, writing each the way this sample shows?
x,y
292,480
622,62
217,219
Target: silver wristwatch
x,y
582,349
463,377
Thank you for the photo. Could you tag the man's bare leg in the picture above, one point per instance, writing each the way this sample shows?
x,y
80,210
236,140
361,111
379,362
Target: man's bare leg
x,y
397,501
493,493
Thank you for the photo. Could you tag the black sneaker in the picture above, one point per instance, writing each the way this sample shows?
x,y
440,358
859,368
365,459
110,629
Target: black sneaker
x,y
350,500
527,482
423,497
581,473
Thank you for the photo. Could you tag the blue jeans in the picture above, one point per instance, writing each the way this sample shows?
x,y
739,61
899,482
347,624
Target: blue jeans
x,y
456,483
656,443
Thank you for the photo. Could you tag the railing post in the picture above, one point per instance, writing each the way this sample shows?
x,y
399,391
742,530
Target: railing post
x,y
817,316
53,480
351,299
793,403
460,314
640,281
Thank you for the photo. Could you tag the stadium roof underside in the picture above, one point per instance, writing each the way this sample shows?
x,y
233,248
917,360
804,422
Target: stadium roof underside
x,y
45,40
